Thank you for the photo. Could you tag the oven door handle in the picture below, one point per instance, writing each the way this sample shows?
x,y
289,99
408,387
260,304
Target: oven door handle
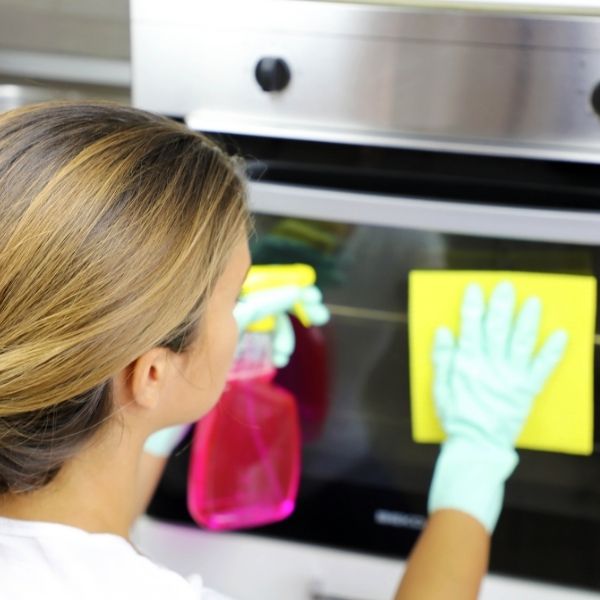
x,y
479,220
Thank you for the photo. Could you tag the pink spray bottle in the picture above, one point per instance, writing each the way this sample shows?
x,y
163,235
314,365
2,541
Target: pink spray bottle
x,y
245,456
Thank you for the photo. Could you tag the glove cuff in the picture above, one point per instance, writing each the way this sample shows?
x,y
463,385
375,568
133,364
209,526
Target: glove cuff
x,y
162,443
469,476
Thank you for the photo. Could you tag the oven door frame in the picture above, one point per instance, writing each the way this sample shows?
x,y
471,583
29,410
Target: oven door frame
x,y
464,218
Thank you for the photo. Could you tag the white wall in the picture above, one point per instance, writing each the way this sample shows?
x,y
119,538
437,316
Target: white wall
x,y
84,27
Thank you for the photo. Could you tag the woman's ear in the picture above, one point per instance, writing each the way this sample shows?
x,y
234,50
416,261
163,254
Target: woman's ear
x,y
146,377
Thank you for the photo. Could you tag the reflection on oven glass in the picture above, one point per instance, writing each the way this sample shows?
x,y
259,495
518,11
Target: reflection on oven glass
x,y
361,432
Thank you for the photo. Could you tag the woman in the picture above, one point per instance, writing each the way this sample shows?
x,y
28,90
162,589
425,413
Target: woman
x,y
122,252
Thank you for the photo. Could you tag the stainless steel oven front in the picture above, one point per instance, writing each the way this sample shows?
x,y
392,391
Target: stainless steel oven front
x,y
379,140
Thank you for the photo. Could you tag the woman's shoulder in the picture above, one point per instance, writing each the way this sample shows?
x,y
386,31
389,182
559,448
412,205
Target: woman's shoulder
x,y
64,562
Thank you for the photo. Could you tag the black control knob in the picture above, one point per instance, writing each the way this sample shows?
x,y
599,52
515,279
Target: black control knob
x,y
272,74
595,99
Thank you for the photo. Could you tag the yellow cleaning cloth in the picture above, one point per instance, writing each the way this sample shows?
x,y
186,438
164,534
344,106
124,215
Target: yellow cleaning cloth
x,y
562,419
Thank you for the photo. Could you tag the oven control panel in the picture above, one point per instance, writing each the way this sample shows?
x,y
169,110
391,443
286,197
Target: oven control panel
x,y
504,83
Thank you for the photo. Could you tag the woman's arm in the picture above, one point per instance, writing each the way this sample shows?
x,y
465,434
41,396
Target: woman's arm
x,y
449,559
484,386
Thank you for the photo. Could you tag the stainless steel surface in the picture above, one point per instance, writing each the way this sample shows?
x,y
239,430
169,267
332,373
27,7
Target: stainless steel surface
x,y
13,96
575,227
15,93
370,74
362,20
85,70
545,6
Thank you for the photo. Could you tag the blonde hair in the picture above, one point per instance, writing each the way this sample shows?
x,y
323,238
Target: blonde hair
x,y
115,225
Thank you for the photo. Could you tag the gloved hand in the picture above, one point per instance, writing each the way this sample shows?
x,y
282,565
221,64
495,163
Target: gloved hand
x,y
484,388
251,308
278,302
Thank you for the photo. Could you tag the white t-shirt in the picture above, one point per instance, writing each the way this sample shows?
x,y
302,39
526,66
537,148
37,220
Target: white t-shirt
x,y
50,561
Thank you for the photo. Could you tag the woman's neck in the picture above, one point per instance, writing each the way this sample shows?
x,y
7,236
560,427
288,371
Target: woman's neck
x,y
95,491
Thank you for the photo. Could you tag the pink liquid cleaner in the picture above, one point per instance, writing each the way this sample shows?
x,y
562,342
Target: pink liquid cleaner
x,y
245,456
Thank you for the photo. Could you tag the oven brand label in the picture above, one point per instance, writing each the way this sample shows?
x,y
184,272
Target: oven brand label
x,y
392,518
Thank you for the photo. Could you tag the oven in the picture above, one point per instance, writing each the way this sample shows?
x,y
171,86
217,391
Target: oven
x,y
379,139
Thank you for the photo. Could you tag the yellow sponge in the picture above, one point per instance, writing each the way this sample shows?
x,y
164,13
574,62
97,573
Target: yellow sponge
x,y
562,419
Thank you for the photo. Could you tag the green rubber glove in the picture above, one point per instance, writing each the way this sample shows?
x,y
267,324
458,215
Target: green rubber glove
x,y
278,302
484,388
163,442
